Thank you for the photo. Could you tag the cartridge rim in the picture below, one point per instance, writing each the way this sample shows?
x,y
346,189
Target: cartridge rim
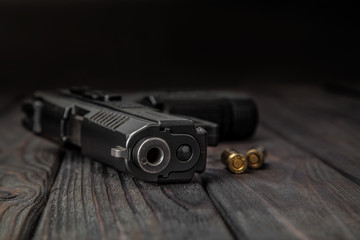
x,y
255,158
237,163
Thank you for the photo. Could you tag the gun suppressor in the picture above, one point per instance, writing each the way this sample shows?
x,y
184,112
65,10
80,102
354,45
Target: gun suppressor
x,y
130,137
235,114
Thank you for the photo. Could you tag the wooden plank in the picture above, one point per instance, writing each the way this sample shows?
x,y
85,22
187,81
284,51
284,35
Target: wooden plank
x,y
314,97
326,125
92,201
9,98
294,196
27,169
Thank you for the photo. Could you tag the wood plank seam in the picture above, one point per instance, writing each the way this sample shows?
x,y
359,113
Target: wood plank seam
x,y
94,197
283,185
28,166
325,123
127,207
304,149
111,201
46,199
317,156
220,212
270,208
36,201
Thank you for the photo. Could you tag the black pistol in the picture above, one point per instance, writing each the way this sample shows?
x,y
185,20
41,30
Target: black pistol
x,y
236,115
130,134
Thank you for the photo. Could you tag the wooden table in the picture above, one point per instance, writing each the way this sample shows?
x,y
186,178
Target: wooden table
x,y
308,189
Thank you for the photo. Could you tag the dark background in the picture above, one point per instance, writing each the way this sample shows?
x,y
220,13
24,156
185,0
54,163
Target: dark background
x,y
175,44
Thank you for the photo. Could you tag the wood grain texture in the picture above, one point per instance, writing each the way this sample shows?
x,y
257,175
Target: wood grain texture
x,y
27,169
308,189
295,195
92,201
323,124
7,100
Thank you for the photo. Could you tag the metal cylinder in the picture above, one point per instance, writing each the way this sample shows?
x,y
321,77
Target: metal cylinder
x,y
234,161
256,156
152,154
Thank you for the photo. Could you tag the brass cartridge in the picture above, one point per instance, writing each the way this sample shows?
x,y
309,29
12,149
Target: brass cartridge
x,y
255,156
234,161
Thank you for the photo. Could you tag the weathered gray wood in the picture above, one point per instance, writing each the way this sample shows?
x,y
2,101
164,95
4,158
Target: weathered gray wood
x,y
310,136
6,99
324,124
294,196
27,169
92,201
